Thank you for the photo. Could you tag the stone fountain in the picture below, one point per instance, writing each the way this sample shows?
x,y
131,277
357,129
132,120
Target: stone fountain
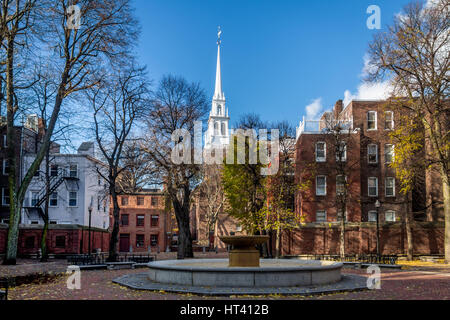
x,y
244,273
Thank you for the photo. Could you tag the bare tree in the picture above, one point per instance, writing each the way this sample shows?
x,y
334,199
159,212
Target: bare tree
x,y
136,173
212,193
175,108
117,104
414,56
341,139
107,29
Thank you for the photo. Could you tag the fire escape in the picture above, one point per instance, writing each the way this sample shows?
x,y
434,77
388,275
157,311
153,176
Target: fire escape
x,y
63,176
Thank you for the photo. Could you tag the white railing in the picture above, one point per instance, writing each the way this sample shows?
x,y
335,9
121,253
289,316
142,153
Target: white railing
x,y
320,126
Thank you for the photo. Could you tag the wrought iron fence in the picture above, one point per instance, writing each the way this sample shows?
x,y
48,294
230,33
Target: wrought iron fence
x,y
102,258
363,258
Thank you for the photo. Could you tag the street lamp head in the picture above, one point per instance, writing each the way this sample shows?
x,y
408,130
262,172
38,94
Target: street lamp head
x,y
377,204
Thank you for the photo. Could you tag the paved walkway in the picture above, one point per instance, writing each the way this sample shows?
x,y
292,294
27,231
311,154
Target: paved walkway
x,y
97,285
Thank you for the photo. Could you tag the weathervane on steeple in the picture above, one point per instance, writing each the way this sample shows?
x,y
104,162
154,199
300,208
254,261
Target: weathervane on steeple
x,y
219,34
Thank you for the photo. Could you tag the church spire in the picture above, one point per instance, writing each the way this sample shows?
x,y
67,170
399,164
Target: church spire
x,y
218,94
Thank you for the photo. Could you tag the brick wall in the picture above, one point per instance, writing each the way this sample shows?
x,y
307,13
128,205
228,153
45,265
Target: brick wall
x,y
75,237
360,239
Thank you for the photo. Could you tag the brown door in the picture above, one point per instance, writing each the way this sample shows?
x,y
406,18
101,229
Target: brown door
x,y
124,243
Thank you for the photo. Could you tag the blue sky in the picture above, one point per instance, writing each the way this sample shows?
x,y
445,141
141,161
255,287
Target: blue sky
x,y
278,57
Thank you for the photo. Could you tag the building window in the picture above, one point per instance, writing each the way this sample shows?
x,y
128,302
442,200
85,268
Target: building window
x,y
34,222
124,219
34,198
124,201
372,153
5,141
321,186
339,216
5,196
73,171
140,201
321,148
372,120
99,203
140,219
219,110
155,221
390,187
73,195
60,241
222,128
321,216
373,187
388,153
140,241
154,240
216,128
5,167
54,222
29,242
389,120
54,199
341,182
154,201
372,216
53,170
5,221
389,216
341,152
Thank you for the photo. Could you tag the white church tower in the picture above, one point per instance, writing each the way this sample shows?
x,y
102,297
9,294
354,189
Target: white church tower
x,y
218,133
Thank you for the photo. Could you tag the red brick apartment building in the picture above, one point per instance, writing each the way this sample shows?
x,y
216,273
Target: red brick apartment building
x,y
369,152
144,224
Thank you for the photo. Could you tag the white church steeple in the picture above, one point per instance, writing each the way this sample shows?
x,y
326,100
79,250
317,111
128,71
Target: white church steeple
x,y
218,129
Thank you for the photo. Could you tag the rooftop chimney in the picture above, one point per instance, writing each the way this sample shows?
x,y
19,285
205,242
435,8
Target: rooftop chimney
x,y
338,107
87,148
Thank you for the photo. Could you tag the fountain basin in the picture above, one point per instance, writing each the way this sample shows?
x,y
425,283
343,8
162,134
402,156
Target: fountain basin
x,y
244,253
271,273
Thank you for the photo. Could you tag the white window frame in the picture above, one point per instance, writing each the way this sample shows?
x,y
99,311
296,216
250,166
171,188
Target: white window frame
x,y
69,198
31,197
386,187
50,200
5,172
317,186
392,120
338,216
368,186
324,158
376,120
344,158
368,153
392,212
345,181
374,212
3,198
385,153
325,216
57,169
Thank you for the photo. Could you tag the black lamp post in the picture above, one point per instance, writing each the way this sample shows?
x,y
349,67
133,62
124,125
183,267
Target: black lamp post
x,y
90,214
377,206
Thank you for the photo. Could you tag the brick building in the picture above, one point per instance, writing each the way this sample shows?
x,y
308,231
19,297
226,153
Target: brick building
x,y
369,152
144,224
